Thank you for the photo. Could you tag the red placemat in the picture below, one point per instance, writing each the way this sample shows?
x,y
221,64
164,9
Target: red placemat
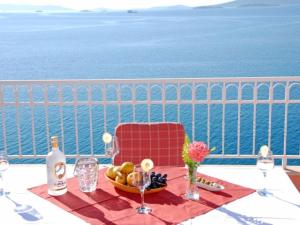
x,y
108,205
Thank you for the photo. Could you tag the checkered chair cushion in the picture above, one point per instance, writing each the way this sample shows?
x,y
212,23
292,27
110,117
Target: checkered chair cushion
x,y
161,142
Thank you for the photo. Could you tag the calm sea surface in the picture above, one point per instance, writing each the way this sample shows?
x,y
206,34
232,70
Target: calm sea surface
x,y
246,41
215,42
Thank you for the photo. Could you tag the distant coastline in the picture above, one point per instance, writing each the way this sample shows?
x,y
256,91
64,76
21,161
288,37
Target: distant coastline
x,y
23,8
258,3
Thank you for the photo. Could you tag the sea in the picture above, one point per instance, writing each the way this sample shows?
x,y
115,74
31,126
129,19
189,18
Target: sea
x,y
252,41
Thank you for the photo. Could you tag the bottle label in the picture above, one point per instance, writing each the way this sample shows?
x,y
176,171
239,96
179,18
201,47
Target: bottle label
x,y
59,185
59,170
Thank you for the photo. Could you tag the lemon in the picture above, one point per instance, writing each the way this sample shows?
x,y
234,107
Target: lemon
x,y
147,165
107,138
264,150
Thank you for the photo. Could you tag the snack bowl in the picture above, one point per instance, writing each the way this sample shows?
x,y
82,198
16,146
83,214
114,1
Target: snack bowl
x,y
209,185
132,189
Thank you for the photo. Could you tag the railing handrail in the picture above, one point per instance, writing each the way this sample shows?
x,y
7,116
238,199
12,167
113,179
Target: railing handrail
x,y
179,100
146,80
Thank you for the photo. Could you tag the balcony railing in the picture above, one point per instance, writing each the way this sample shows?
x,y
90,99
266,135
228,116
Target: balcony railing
x,y
237,115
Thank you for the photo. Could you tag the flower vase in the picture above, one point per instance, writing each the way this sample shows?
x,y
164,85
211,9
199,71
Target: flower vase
x,y
192,192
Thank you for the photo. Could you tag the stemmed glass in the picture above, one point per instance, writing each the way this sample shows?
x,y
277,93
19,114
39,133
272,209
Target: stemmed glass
x,y
141,180
111,145
265,163
4,164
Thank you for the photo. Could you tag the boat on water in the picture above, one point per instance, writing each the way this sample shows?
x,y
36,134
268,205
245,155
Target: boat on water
x,y
132,11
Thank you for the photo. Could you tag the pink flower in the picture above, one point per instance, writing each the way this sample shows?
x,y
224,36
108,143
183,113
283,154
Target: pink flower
x,y
198,151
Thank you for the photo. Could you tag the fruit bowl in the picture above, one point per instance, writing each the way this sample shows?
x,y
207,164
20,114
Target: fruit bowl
x,y
131,189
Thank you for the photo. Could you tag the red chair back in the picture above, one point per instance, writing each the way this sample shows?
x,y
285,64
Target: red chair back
x,y
161,142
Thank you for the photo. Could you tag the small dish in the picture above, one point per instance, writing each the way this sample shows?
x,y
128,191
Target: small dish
x,y
209,185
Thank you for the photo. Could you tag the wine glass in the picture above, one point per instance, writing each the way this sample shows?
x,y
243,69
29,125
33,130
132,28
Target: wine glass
x,y
111,145
4,164
265,163
141,180
113,149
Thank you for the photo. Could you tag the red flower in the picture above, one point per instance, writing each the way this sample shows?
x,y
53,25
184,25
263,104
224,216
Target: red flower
x,y
198,151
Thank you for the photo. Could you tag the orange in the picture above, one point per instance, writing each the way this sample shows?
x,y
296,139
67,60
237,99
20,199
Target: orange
x,y
130,178
127,167
110,172
121,178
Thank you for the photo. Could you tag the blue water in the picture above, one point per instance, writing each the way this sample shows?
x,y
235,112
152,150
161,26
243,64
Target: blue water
x,y
213,42
247,41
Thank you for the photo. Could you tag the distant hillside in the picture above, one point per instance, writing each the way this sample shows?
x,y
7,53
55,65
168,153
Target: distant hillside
x,y
253,3
104,10
31,8
174,7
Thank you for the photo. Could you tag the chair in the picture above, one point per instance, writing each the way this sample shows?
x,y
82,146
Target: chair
x,y
161,142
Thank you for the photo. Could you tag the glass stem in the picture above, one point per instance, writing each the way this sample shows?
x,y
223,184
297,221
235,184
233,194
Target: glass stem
x,y
1,185
264,182
142,197
265,174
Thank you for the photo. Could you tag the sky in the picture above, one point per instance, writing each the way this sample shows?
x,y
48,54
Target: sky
x,y
114,4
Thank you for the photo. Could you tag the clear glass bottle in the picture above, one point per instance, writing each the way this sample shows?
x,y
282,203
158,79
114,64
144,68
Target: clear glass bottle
x,y
56,170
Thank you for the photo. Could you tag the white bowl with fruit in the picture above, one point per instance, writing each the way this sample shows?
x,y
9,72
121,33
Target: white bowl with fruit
x,y
208,185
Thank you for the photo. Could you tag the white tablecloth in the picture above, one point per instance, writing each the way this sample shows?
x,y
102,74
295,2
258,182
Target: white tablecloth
x,y
281,206
19,206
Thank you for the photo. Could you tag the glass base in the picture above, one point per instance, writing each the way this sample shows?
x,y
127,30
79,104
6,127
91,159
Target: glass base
x,y
88,188
57,193
143,210
262,192
192,196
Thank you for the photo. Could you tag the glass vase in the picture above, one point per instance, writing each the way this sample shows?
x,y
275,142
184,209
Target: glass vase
x,y
192,192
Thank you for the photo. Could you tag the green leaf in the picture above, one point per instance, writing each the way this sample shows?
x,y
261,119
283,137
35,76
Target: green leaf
x,y
185,156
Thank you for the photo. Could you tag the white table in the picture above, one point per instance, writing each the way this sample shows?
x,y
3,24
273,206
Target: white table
x,y
281,207
33,209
